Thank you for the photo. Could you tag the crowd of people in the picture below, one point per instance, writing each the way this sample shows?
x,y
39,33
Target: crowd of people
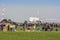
x,y
10,26
43,26
7,27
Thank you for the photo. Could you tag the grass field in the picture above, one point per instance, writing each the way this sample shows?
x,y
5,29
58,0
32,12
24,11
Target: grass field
x,y
29,35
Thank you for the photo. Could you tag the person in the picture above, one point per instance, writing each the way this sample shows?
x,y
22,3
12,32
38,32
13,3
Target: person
x,y
48,28
56,27
37,27
14,30
2,26
25,25
7,26
43,28
51,27
34,27
10,27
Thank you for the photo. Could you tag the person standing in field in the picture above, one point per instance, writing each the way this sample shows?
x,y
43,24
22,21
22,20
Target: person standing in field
x,y
25,25
34,27
7,26
2,26
56,27
12,28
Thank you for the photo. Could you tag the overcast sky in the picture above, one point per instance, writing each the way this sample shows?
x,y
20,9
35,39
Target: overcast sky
x,y
20,10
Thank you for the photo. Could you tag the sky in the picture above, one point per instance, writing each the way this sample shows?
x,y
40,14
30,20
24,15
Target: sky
x,y
21,10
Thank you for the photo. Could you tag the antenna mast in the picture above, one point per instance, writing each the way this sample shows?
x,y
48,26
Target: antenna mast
x,y
3,13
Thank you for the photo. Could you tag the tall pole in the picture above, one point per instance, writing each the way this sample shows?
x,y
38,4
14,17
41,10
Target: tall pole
x,y
3,13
